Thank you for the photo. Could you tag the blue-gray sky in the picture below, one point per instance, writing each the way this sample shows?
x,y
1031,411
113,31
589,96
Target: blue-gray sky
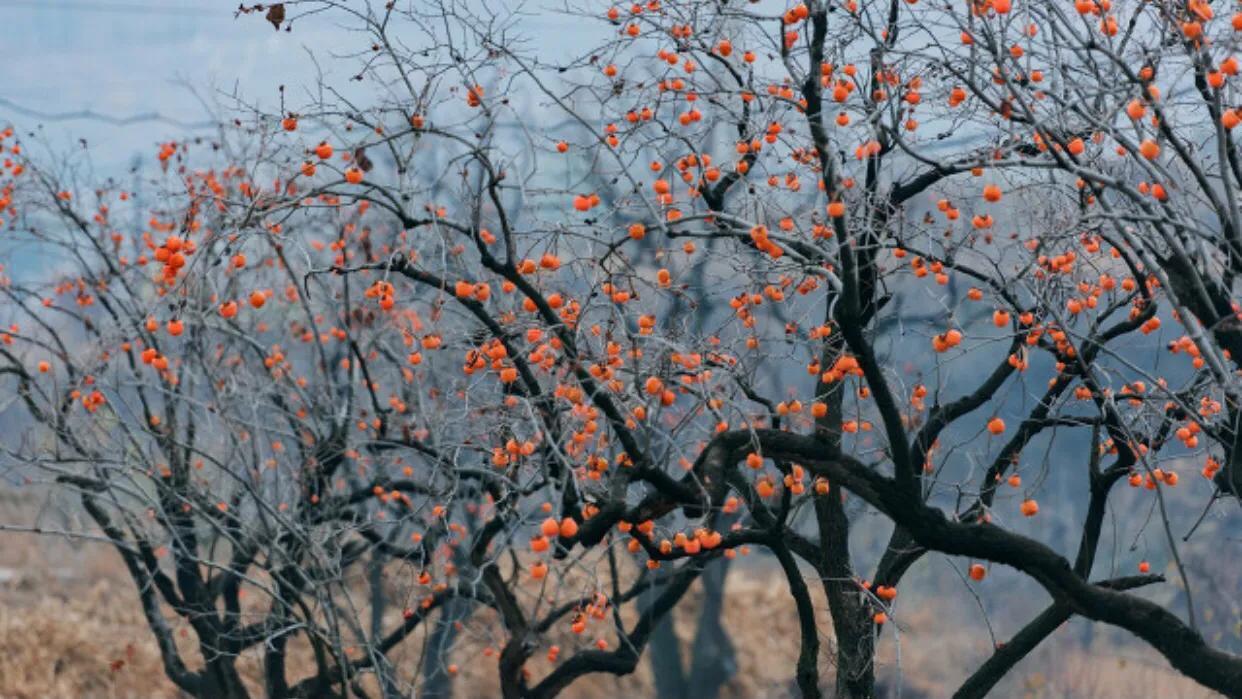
x,y
122,58
126,57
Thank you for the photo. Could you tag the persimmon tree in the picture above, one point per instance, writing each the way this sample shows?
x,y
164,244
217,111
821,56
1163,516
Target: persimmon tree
x,y
551,329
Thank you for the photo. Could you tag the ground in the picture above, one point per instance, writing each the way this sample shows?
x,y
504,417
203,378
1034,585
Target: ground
x,y
70,626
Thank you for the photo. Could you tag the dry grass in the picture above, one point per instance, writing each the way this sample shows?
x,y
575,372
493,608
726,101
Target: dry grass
x,y
70,626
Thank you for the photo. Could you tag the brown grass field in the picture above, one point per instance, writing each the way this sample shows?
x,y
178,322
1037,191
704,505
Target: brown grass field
x,y
70,627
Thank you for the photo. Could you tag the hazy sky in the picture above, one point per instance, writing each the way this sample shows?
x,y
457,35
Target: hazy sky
x,y
127,57
122,58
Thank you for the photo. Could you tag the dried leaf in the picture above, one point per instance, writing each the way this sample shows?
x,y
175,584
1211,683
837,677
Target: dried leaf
x,y
276,14
362,161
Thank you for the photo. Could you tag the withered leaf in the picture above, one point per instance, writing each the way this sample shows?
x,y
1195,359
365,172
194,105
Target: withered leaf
x,y
361,159
276,14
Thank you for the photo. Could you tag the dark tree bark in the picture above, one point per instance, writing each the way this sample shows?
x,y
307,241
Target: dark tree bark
x,y
807,672
851,617
437,683
666,665
221,679
712,661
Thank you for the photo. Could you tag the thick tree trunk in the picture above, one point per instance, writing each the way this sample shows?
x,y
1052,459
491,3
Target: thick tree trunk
x,y
851,617
713,661
437,683
665,655
221,680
